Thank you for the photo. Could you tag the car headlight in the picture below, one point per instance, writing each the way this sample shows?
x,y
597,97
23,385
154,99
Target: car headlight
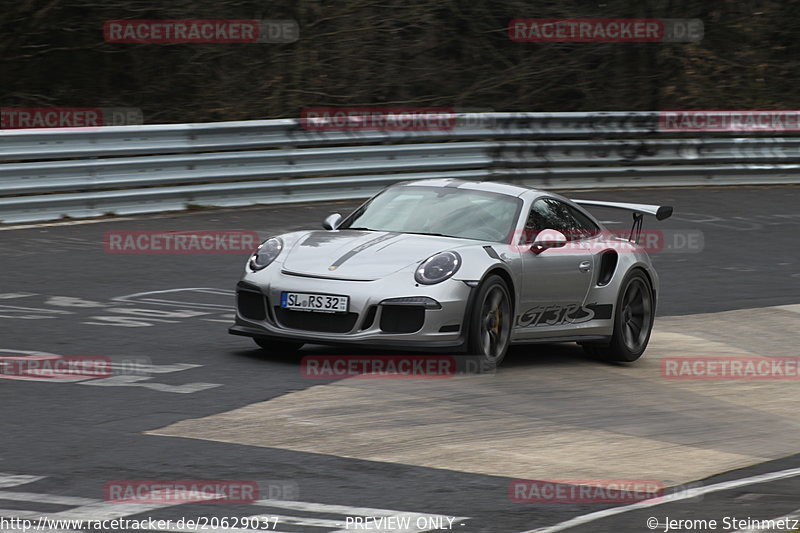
x,y
266,253
437,268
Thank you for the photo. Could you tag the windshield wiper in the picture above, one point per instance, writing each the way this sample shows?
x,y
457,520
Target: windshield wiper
x,y
427,233
407,232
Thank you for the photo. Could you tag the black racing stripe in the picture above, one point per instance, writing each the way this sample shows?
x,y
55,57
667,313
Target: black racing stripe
x,y
602,311
360,248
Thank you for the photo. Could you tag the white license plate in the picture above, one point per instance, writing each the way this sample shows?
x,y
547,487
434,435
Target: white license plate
x,y
324,303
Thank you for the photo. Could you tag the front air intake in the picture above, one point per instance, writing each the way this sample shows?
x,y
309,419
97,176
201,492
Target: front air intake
x,y
251,305
402,318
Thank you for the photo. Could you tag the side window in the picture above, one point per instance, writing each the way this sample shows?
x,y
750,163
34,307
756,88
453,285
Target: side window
x,y
583,226
543,215
549,213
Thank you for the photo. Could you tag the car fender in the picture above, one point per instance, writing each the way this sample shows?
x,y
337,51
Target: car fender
x,y
626,262
479,261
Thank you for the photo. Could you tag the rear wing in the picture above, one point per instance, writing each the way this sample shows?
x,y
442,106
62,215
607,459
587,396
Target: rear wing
x,y
661,212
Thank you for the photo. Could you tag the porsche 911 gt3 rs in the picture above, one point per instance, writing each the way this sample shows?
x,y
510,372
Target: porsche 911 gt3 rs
x,y
455,265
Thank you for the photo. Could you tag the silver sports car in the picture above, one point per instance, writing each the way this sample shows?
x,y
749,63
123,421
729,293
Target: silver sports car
x,y
457,266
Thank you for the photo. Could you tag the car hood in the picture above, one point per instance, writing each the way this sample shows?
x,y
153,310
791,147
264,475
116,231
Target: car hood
x,y
361,255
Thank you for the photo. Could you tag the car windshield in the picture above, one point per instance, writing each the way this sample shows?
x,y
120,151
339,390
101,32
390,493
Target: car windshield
x,y
446,211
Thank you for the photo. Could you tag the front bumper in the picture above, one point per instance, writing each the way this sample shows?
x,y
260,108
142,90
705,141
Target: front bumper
x,y
369,321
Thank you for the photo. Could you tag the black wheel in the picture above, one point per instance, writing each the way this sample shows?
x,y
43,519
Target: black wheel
x,y
490,321
277,347
633,321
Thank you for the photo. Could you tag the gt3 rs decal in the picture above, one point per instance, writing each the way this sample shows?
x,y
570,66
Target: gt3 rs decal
x,y
556,315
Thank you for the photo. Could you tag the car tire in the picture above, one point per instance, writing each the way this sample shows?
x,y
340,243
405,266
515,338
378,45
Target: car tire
x,y
633,321
490,321
277,347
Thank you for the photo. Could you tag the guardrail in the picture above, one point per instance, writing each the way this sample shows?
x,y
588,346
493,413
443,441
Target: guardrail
x,y
49,174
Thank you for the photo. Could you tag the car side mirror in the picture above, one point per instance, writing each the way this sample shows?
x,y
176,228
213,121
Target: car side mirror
x,y
546,239
331,221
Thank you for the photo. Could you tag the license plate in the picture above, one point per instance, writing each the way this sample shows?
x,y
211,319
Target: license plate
x,y
324,303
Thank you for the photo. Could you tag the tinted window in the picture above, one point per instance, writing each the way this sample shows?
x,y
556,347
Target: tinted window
x,y
549,213
583,225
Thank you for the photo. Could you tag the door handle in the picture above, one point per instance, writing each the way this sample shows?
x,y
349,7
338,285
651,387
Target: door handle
x,y
586,266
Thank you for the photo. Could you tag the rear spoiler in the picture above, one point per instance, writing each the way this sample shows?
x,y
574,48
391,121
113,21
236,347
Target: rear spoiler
x,y
659,211
639,210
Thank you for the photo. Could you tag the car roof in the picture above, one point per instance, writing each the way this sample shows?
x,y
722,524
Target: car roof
x,y
488,186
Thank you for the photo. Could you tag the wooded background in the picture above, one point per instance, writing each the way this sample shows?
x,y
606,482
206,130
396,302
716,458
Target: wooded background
x,y
450,53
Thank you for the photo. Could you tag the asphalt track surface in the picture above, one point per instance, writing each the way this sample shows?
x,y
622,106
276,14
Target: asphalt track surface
x,y
61,294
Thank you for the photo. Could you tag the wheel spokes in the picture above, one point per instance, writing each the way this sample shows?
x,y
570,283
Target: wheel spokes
x,y
494,299
636,327
493,344
494,323
636,314
486,342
